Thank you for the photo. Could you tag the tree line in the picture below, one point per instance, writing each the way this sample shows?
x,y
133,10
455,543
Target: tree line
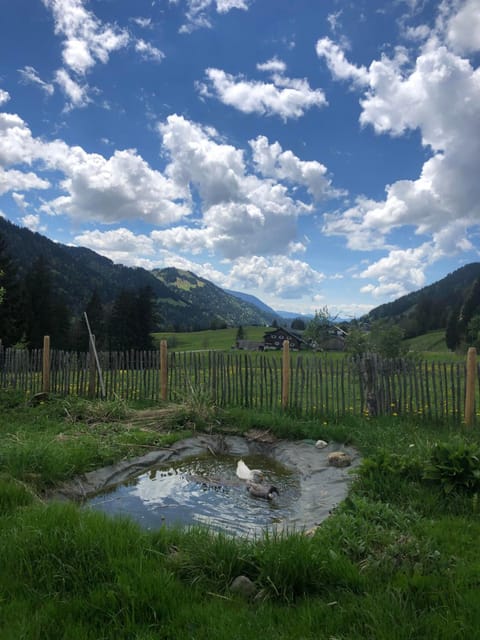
x,y
463,325
31,307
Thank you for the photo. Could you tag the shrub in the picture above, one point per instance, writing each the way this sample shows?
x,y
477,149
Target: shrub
x,y
455,465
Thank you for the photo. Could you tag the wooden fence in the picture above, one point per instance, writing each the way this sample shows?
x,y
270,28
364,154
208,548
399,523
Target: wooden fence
x,y
311,384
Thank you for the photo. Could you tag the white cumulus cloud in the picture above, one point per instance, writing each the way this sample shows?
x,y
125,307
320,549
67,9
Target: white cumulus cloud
x,y
438,94
120,245
277,275
242,213
283,97
463,28
86,40
398,273
93,187
339,66
32,222
272,162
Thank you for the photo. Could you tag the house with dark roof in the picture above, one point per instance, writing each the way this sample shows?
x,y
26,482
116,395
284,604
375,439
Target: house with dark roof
x,y
275,339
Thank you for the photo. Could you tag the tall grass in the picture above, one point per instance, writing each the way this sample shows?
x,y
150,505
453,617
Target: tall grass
x,y
397,560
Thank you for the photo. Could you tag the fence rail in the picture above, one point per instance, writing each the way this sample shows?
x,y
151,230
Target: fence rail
x,y
308,383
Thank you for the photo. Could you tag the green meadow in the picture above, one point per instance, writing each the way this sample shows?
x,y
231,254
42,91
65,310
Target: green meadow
x,y
218,339
397,560
430,346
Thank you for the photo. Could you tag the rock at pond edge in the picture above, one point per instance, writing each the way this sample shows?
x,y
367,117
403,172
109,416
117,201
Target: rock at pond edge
x,y
339,459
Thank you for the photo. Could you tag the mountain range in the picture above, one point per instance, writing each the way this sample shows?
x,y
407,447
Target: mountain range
x,y
184,301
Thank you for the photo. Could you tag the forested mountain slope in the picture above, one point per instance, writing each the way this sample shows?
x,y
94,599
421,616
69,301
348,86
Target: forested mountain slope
x,y
182,300
429,308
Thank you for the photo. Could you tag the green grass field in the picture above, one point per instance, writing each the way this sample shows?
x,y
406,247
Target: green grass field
x,y
431,345
433,341
220,339
398,560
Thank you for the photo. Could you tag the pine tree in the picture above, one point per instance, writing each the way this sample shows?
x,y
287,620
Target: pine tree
x,y
38,303
471,305
11,312
452,332
46,312
144,318
132,320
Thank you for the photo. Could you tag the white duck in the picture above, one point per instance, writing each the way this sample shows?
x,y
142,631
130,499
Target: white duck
x,y
244,473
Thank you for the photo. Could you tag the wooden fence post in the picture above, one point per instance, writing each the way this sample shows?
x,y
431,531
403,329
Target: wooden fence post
x,y
163,370
285,374
92,368
46,365
470,386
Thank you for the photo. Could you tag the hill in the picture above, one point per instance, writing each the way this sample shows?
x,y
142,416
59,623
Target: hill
x,y
428,309
256,302
227,309
183,301
77,272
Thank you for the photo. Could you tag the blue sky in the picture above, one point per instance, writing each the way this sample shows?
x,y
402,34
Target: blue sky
x,y
312,153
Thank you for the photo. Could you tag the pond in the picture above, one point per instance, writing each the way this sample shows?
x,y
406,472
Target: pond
x,y
205,490
194,482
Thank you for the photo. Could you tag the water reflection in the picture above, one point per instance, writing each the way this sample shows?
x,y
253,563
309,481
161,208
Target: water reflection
x,y
205,490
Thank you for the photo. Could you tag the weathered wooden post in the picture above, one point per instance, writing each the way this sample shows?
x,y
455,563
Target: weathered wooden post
x,y
470,386
285,373
163,370
368,376
46,365
93,352
92,368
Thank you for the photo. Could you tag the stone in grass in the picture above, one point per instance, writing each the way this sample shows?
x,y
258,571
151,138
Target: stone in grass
x,y
244,587
321,444
38,398
339,459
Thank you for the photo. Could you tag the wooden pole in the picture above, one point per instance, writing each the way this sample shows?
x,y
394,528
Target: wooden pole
x,y
163,370
46,365
93,350
92,369
470,386
285,374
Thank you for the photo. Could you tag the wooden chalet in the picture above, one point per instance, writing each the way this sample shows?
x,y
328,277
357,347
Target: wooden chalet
x,y
274,339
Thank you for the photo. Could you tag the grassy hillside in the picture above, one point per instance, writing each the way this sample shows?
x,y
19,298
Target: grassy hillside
x,y
431,341
222,339
432,347
221,307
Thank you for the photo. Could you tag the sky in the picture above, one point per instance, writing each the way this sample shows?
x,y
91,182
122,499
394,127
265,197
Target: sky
x,y
313,153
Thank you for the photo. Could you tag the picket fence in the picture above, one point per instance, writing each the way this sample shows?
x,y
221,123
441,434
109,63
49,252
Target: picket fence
x,y
309,384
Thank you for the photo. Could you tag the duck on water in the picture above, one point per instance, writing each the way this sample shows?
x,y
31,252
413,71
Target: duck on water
x,y
255,485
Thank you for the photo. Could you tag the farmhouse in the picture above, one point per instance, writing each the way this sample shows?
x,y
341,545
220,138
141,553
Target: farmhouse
x,y
274,339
